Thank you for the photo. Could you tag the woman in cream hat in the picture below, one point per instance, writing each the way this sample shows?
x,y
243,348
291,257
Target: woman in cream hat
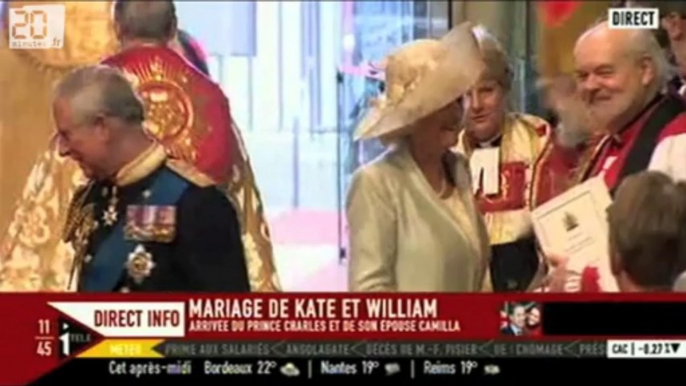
x,y
413,222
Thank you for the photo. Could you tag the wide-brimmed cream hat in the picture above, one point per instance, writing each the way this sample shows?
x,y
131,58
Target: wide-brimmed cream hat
x,y
422,77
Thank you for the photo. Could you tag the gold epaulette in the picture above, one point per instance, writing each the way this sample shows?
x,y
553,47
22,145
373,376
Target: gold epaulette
x,y
190,172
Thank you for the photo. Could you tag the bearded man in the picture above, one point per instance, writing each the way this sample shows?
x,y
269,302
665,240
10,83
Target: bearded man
x,y
570,146
572,140
622,77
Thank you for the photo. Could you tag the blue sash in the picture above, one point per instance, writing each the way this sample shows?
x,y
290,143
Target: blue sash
x,y
106,269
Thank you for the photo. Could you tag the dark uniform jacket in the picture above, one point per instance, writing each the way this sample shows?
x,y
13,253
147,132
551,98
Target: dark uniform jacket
x,y
160,226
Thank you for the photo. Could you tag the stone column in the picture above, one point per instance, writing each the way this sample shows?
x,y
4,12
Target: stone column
x,y
494,15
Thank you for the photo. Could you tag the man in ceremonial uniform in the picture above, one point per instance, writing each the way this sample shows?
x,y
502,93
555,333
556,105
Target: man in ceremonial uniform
x,y
502,146
190,115
143,222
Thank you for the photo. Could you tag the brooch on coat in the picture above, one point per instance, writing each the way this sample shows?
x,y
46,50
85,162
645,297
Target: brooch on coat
x,y
150,223
140,264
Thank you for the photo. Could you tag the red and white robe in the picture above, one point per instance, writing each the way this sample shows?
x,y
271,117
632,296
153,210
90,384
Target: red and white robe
x,y
506,212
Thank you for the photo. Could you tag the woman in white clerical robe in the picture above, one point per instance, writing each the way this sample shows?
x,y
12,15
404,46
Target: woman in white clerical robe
x,y
413,222
502,146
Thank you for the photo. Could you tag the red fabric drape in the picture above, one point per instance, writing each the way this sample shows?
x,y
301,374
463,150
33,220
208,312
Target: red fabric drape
x,y
554,13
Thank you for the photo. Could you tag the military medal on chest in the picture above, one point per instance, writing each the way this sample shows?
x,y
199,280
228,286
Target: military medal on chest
x,y
150,223
110,215
147,224
139,264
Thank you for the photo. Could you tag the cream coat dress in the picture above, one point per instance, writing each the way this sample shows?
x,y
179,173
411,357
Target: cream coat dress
x,y
405,238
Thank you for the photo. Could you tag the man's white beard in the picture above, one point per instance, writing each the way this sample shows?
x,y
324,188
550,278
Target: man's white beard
x,y
571,131
569,137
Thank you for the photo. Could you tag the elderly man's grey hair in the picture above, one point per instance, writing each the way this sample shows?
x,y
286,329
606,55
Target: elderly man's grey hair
x,y
100,90
643,44
153,19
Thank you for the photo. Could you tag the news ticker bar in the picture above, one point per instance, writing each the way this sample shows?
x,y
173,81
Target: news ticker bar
x,y
116,348
425,370
491,349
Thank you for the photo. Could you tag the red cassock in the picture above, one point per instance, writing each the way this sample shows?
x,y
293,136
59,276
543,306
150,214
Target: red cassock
x,y
654,140
187,112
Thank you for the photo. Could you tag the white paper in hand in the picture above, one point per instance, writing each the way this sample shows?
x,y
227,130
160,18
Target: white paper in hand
x,y
574,225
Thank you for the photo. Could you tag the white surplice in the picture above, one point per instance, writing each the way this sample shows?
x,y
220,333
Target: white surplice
x,y
405,238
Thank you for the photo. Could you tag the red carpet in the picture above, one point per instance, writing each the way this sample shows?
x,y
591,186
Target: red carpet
x,y
309,229
330,278
305,227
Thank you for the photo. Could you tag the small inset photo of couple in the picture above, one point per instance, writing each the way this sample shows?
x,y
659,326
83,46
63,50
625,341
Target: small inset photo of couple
x,y
520,319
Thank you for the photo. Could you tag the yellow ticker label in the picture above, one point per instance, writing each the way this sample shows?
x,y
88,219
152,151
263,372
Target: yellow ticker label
x,y
123,348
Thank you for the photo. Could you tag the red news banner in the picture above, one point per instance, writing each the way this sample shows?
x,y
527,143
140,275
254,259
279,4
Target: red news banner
x,y
33,323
